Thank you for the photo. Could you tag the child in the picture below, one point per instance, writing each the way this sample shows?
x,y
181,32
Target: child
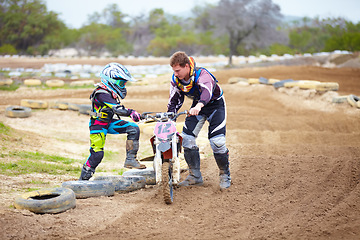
x,y
105,103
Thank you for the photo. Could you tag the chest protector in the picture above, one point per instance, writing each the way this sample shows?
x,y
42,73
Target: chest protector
x,y
192,89
100,110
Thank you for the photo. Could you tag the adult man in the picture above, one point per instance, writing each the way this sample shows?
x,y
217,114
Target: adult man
x,y
105,103
208,105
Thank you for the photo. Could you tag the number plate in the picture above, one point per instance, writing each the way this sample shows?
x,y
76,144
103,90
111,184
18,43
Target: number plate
x,y
164,130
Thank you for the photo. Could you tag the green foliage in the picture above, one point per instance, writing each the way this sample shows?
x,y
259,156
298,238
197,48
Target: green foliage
x,y
25,23
29,162
344,38
280,49
99,37
4,130
7,49
27,27
11,87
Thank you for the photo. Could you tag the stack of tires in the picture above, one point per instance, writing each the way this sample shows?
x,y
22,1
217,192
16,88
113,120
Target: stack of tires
x,y
61,199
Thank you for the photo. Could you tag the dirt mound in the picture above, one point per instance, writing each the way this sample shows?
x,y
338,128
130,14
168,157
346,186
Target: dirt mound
x,y
294,159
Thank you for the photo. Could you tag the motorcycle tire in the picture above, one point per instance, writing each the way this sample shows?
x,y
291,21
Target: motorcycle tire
x,y
166,183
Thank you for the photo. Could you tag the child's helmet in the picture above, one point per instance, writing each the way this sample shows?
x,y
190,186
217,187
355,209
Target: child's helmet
x,y
114,76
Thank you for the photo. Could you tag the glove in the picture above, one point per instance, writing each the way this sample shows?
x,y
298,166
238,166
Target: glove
x,y
135,116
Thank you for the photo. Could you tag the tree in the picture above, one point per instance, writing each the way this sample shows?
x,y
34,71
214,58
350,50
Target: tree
x,y
97,38
106,31
170,36
247,22
25,24
344,36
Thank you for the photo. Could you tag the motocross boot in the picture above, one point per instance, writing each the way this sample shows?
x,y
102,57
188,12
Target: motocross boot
x,y
192,158
86,173
132,147
222,160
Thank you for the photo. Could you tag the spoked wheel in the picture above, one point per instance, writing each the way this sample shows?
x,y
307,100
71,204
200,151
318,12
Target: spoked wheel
x,y
166,182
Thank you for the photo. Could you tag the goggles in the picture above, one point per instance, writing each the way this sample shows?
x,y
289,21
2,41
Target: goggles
x,y
120,82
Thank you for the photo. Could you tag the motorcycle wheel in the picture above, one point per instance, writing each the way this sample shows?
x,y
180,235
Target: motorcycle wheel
x,y
166,182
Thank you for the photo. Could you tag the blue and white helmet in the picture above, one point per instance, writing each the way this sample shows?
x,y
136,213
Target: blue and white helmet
x,y
114,76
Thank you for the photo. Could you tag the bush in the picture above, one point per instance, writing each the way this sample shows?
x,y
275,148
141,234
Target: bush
x,y
7,49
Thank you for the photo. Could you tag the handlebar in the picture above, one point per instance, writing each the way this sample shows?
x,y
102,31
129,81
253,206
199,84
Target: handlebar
x,y
162,116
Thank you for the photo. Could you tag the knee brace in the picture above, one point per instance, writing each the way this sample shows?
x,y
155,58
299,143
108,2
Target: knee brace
x,y
133,132
189,141
218,144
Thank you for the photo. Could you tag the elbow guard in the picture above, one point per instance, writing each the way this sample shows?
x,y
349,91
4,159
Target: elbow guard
x,y
121,110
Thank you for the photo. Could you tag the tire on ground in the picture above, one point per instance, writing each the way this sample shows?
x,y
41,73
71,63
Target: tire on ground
x,y
273,80
86,189
281,83
34,104
32,82
18,112
148,174
353,100
59,105
51,200
6,82
55,83
340,99
263,80
327,86
73,106
85,109
307,84
291,84
253,81
124,184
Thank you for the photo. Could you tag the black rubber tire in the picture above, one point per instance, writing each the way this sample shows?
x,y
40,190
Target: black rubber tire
x,y
86,189
18,112
84,109
73,106
51,200
166,183
148,174
263,80
124,184
281,83
353,100
340,99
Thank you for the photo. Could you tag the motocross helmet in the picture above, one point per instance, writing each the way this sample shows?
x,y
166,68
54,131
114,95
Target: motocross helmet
x,y
114,76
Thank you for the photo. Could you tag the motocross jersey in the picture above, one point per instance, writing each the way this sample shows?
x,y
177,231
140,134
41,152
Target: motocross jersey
x,y
203,88
104,104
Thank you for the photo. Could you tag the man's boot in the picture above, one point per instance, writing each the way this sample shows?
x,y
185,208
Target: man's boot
x,y
132,147
222,160
86,172
192,158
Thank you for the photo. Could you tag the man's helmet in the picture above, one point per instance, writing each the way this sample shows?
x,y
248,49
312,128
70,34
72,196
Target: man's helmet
x,y
114,76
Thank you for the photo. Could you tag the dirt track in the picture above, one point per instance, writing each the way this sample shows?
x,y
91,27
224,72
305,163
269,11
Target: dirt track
x,y
295,166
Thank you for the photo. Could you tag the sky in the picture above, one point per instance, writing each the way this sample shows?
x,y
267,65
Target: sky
x,y
75,13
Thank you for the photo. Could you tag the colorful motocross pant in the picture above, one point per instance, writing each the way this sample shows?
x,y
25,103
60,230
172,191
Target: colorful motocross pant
x,y
215,113
98,132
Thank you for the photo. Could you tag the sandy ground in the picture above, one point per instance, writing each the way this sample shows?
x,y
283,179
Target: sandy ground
x,y
294,159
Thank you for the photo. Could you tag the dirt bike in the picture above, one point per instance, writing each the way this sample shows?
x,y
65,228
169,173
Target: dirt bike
x,y
166,144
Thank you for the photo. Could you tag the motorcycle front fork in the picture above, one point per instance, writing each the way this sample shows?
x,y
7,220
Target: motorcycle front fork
x,y
174,160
